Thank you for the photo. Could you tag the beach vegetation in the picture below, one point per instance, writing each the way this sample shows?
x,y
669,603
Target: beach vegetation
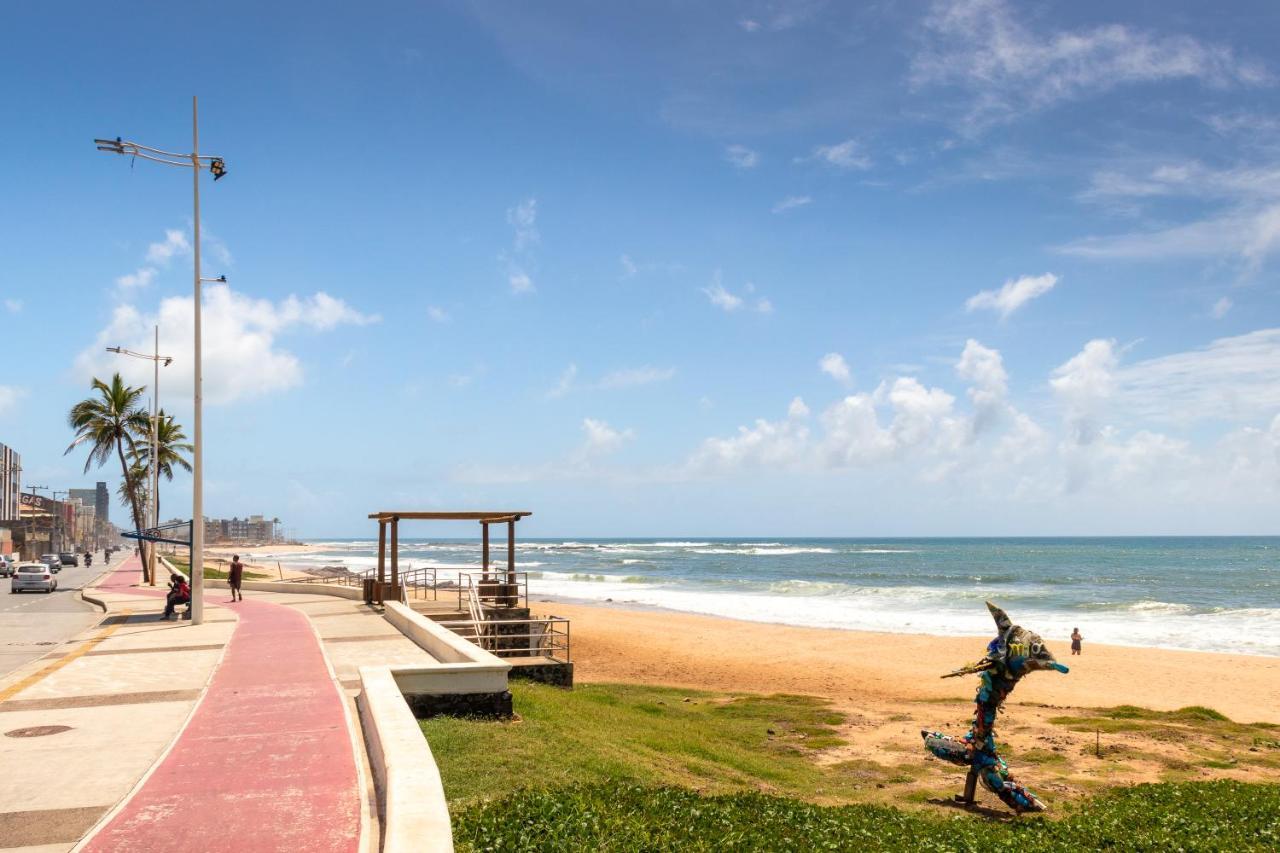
x,y
601,816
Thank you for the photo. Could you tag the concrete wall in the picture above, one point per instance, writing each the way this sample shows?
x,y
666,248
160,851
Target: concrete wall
x,y
408,781
352,592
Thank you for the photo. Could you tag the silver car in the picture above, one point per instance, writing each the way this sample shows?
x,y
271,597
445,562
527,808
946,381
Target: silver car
x,y
34,576
6,565
53,561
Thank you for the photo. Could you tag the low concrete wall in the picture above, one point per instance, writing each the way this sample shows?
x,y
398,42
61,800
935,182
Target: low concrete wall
x,y
351,592
416,816
438,641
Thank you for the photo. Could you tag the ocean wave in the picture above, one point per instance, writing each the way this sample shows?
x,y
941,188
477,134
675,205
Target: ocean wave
x,y
762,551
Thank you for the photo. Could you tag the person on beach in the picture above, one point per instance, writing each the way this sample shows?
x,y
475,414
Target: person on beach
x,y
1075,641
179,593
234,577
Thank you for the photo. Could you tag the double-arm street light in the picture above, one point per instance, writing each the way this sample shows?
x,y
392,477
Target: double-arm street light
x,y
195,161
156,358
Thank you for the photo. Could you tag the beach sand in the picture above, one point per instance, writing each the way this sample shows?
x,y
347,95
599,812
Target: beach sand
x,y
889,687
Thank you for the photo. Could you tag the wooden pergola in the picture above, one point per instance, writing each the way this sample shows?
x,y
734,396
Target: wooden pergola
x,y
392,519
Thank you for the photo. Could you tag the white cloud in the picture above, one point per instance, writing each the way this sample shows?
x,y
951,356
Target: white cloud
x,y
791,202
742,157
728,301
523,217
1008,70
1083,384
13,306
767,443
141,277
1231,379
158,257
565,383
520,281
750,25
1221,307
629,268
629,377
1013,294
437,314
842,155
721,298
242,353
633,376
602,438
983,369
174,243
834,365
10,395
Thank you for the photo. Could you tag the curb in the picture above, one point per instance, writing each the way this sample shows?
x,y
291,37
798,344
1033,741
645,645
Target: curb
x,y
415,813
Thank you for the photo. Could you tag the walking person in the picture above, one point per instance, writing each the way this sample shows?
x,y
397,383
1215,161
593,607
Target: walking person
x,y
1076,639
234,578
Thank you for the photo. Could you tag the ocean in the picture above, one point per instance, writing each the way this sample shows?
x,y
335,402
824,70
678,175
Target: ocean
x,y
1204,593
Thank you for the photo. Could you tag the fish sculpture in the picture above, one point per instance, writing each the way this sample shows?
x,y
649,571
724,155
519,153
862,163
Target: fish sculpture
x,y
1012,654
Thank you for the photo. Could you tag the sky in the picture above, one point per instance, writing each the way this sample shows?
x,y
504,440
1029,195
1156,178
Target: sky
x,y
788,268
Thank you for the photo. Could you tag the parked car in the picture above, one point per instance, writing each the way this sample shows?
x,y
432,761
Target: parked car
x,y
53,561
6,565
69,559
36,576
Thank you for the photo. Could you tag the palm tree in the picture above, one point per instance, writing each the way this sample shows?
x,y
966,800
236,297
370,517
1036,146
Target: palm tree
x,y
171,443
106,422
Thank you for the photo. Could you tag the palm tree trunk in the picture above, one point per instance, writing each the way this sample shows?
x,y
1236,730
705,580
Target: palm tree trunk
x,y
133,505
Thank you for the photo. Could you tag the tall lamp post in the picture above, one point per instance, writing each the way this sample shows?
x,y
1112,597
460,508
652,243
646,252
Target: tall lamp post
x,y
156,358
195,162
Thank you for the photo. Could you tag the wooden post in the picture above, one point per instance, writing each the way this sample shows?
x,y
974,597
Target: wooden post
x,y
395,556
382,559
511,551
484,550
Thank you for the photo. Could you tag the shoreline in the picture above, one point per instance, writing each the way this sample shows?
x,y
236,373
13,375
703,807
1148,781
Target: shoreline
x,y
1054,643
618,642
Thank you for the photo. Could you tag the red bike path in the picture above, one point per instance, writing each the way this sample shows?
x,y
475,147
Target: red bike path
x,y
266,761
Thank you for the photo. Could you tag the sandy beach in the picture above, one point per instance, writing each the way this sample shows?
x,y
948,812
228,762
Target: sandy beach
x,y
890,687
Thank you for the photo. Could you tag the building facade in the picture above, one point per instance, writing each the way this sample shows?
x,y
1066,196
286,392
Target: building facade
x,y
10,483
255,528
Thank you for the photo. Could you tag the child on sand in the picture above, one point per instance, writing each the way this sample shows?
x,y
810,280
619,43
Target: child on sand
x,y
1075,641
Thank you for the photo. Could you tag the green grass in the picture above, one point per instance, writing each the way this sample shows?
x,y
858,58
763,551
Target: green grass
x,y
184,566
622,734
627,817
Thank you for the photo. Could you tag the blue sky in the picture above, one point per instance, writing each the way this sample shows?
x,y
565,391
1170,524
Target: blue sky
x,y
781,268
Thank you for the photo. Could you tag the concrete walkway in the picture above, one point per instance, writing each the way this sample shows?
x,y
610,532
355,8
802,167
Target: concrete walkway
x,y
265,763
83,724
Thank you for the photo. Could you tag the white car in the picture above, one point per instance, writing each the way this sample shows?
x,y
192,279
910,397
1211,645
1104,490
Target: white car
x,y
36,576
53,561
6,565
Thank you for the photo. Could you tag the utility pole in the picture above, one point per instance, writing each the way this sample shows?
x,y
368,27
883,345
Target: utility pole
x,y
194,161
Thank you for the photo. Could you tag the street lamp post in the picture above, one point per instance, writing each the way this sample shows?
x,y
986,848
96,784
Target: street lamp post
x,y
194,161
156,358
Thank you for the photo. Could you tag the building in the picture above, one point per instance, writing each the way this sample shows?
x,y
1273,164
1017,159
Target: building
x,y
96,501
255,528
98,498
10,483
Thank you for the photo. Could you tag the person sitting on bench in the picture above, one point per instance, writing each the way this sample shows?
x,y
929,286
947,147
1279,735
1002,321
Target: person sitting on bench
x,y
179,593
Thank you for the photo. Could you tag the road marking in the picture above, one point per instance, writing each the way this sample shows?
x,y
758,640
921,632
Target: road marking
x,y
36,677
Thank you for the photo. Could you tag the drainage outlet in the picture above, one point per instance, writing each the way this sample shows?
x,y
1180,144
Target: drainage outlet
x,y
37,731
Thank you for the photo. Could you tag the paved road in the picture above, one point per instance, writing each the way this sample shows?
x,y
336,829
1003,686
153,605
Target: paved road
x,y
32,624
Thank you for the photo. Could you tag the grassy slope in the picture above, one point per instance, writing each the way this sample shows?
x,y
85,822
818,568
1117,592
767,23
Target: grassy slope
x,y
632,767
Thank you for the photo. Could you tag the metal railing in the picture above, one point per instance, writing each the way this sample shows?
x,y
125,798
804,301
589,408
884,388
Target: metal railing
x,y
517,638
494,588
420,584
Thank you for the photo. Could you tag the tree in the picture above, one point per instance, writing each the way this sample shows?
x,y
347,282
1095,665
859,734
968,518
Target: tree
x,y
171,443
106,422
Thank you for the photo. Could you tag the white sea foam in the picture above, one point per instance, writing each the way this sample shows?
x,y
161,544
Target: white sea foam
x,y
931,610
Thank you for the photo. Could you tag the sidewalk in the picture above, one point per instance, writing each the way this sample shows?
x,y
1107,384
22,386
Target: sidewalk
x,y
83,724
265,762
